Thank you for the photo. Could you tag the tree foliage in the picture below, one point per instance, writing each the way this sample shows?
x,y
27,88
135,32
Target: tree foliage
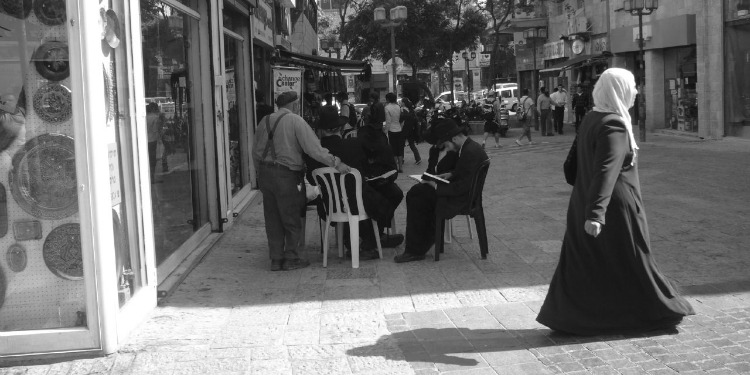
x,y
432,32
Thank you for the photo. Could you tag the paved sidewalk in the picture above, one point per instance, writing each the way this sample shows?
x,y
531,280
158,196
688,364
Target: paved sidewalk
x,y
464,315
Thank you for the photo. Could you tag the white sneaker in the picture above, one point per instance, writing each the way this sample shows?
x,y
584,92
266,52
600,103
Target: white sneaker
x,y
518,143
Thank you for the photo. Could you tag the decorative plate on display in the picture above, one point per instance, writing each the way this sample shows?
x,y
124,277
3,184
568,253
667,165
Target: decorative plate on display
x,y
16,258
50,12
26,230
3,211
16,8
53,104
62,252
43,177
52,61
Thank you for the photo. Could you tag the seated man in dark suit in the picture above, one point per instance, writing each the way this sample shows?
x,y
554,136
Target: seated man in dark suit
x,y
378,205
425,200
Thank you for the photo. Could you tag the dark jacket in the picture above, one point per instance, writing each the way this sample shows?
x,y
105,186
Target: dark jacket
x,y
453,198
444,165
377,150
377,114
350,151
580,101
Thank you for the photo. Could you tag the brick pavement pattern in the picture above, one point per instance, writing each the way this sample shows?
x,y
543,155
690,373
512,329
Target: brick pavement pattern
x,y
464,315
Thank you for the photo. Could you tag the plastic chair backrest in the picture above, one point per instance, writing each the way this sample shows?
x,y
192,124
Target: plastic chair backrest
x,y
356,199
477,185
327,179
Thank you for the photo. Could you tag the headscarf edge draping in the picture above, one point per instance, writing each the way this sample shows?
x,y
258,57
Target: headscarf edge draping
x,y
615,93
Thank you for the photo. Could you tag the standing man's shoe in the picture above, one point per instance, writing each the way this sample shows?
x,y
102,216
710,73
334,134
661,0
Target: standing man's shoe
x,y
391,240
277,265
294,264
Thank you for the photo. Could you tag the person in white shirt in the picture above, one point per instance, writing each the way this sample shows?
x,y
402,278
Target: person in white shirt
x,y
559,100
393,126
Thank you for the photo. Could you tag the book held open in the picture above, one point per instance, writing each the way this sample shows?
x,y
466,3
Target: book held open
x,y
429,177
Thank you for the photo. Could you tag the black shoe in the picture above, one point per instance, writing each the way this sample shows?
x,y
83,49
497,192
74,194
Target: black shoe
x,y
406,257
294,264
392,240
550,134
277,265
365,254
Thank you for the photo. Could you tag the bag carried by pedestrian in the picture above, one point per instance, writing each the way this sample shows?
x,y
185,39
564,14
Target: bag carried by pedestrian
x,y
523,115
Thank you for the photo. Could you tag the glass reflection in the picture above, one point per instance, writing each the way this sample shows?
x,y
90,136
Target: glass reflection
x,y
231,47
171,53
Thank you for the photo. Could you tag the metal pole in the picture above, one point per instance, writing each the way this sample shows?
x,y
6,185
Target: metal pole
x,y
533,72
468,75
393,56
642,76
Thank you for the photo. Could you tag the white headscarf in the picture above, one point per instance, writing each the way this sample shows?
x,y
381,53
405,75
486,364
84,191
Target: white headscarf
x,y
615,93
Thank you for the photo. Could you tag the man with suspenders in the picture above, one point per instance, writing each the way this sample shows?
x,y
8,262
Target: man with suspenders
x,y
281,139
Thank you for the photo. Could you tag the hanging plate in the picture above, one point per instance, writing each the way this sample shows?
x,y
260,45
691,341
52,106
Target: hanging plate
x,y
62,252
52,103
50,12
16,258
43,177
16,8
52,61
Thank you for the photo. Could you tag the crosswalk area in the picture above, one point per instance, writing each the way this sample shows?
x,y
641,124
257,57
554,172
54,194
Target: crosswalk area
x,y
538,147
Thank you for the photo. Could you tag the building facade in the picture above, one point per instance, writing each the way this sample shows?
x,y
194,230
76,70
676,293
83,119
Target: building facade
x,y
694,51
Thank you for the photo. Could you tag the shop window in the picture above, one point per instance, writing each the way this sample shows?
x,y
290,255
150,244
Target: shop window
x,y
42,273
737,81
681,77
172,69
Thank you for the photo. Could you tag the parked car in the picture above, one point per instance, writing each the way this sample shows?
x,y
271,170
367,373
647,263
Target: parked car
x,y
508,95
443,101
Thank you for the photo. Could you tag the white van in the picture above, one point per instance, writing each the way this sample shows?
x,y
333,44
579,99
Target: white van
x,y
443,101
508,96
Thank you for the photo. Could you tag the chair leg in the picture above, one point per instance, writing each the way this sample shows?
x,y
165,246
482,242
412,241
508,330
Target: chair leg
x,y
392,230
354,238
320,229
481,232
340,238
468,224
377,237
448,230
439,229
325,244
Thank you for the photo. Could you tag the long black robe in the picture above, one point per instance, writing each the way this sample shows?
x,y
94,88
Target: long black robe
x,y
611,283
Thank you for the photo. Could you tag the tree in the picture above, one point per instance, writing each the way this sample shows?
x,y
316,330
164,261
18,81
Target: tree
x,y
426,40
498,12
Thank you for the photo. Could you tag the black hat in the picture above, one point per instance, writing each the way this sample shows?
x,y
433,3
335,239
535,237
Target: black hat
x,y
328,118
446,129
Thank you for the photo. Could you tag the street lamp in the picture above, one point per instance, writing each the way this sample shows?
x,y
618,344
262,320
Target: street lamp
x,y
398,16
640,8
533,35
468,56
337,47
326,45
330,45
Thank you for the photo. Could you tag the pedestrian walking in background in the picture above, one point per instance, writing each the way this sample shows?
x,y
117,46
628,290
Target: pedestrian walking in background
x,y
393,126
559,100
410,128
580,104
607,281
527,108
544,108
280,142
154,127
492,121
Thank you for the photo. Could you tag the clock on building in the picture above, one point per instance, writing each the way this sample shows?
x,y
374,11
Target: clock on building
x,y
577,46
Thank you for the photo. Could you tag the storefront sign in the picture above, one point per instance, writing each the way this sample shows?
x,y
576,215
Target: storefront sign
x,y
263,25
114,174
484,60
350,79
476,82
288,79
599,45
458,84
554,50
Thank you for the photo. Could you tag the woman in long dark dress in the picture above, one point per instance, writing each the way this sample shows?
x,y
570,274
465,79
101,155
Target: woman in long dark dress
x,y
607,280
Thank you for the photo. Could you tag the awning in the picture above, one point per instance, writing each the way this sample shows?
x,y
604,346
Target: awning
x,y
578,60
320,62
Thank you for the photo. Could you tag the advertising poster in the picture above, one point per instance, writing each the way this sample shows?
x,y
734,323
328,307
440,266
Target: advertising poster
x,y
287,79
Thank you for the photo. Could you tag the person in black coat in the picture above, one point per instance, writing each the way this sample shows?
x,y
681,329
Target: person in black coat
x,y
426,200
379,196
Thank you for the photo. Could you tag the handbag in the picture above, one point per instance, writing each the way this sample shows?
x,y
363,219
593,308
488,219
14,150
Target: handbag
x,y
570,166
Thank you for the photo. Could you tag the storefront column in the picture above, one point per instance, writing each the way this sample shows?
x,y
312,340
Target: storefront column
x,y
654,90
709,41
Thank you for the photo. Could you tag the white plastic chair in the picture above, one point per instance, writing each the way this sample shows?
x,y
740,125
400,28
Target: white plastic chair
x,y
449,229
333,188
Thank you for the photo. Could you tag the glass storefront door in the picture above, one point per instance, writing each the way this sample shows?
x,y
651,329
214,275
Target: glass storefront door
x,y
47,274
172,48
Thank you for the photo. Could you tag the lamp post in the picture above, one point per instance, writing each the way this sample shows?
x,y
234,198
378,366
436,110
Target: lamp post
x,y
467,57
398,16
533,35
337,47
640,8
326,45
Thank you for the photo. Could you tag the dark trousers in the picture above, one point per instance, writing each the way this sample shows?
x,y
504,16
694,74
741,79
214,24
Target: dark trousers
x,y
283,198
544,121
380,204
414,150
559,117
580,112
421,201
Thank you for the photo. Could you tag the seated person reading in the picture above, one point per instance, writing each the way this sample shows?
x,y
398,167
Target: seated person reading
x,y
424,200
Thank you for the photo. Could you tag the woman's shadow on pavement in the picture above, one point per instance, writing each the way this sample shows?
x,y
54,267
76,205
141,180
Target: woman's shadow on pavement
x,y
459,346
